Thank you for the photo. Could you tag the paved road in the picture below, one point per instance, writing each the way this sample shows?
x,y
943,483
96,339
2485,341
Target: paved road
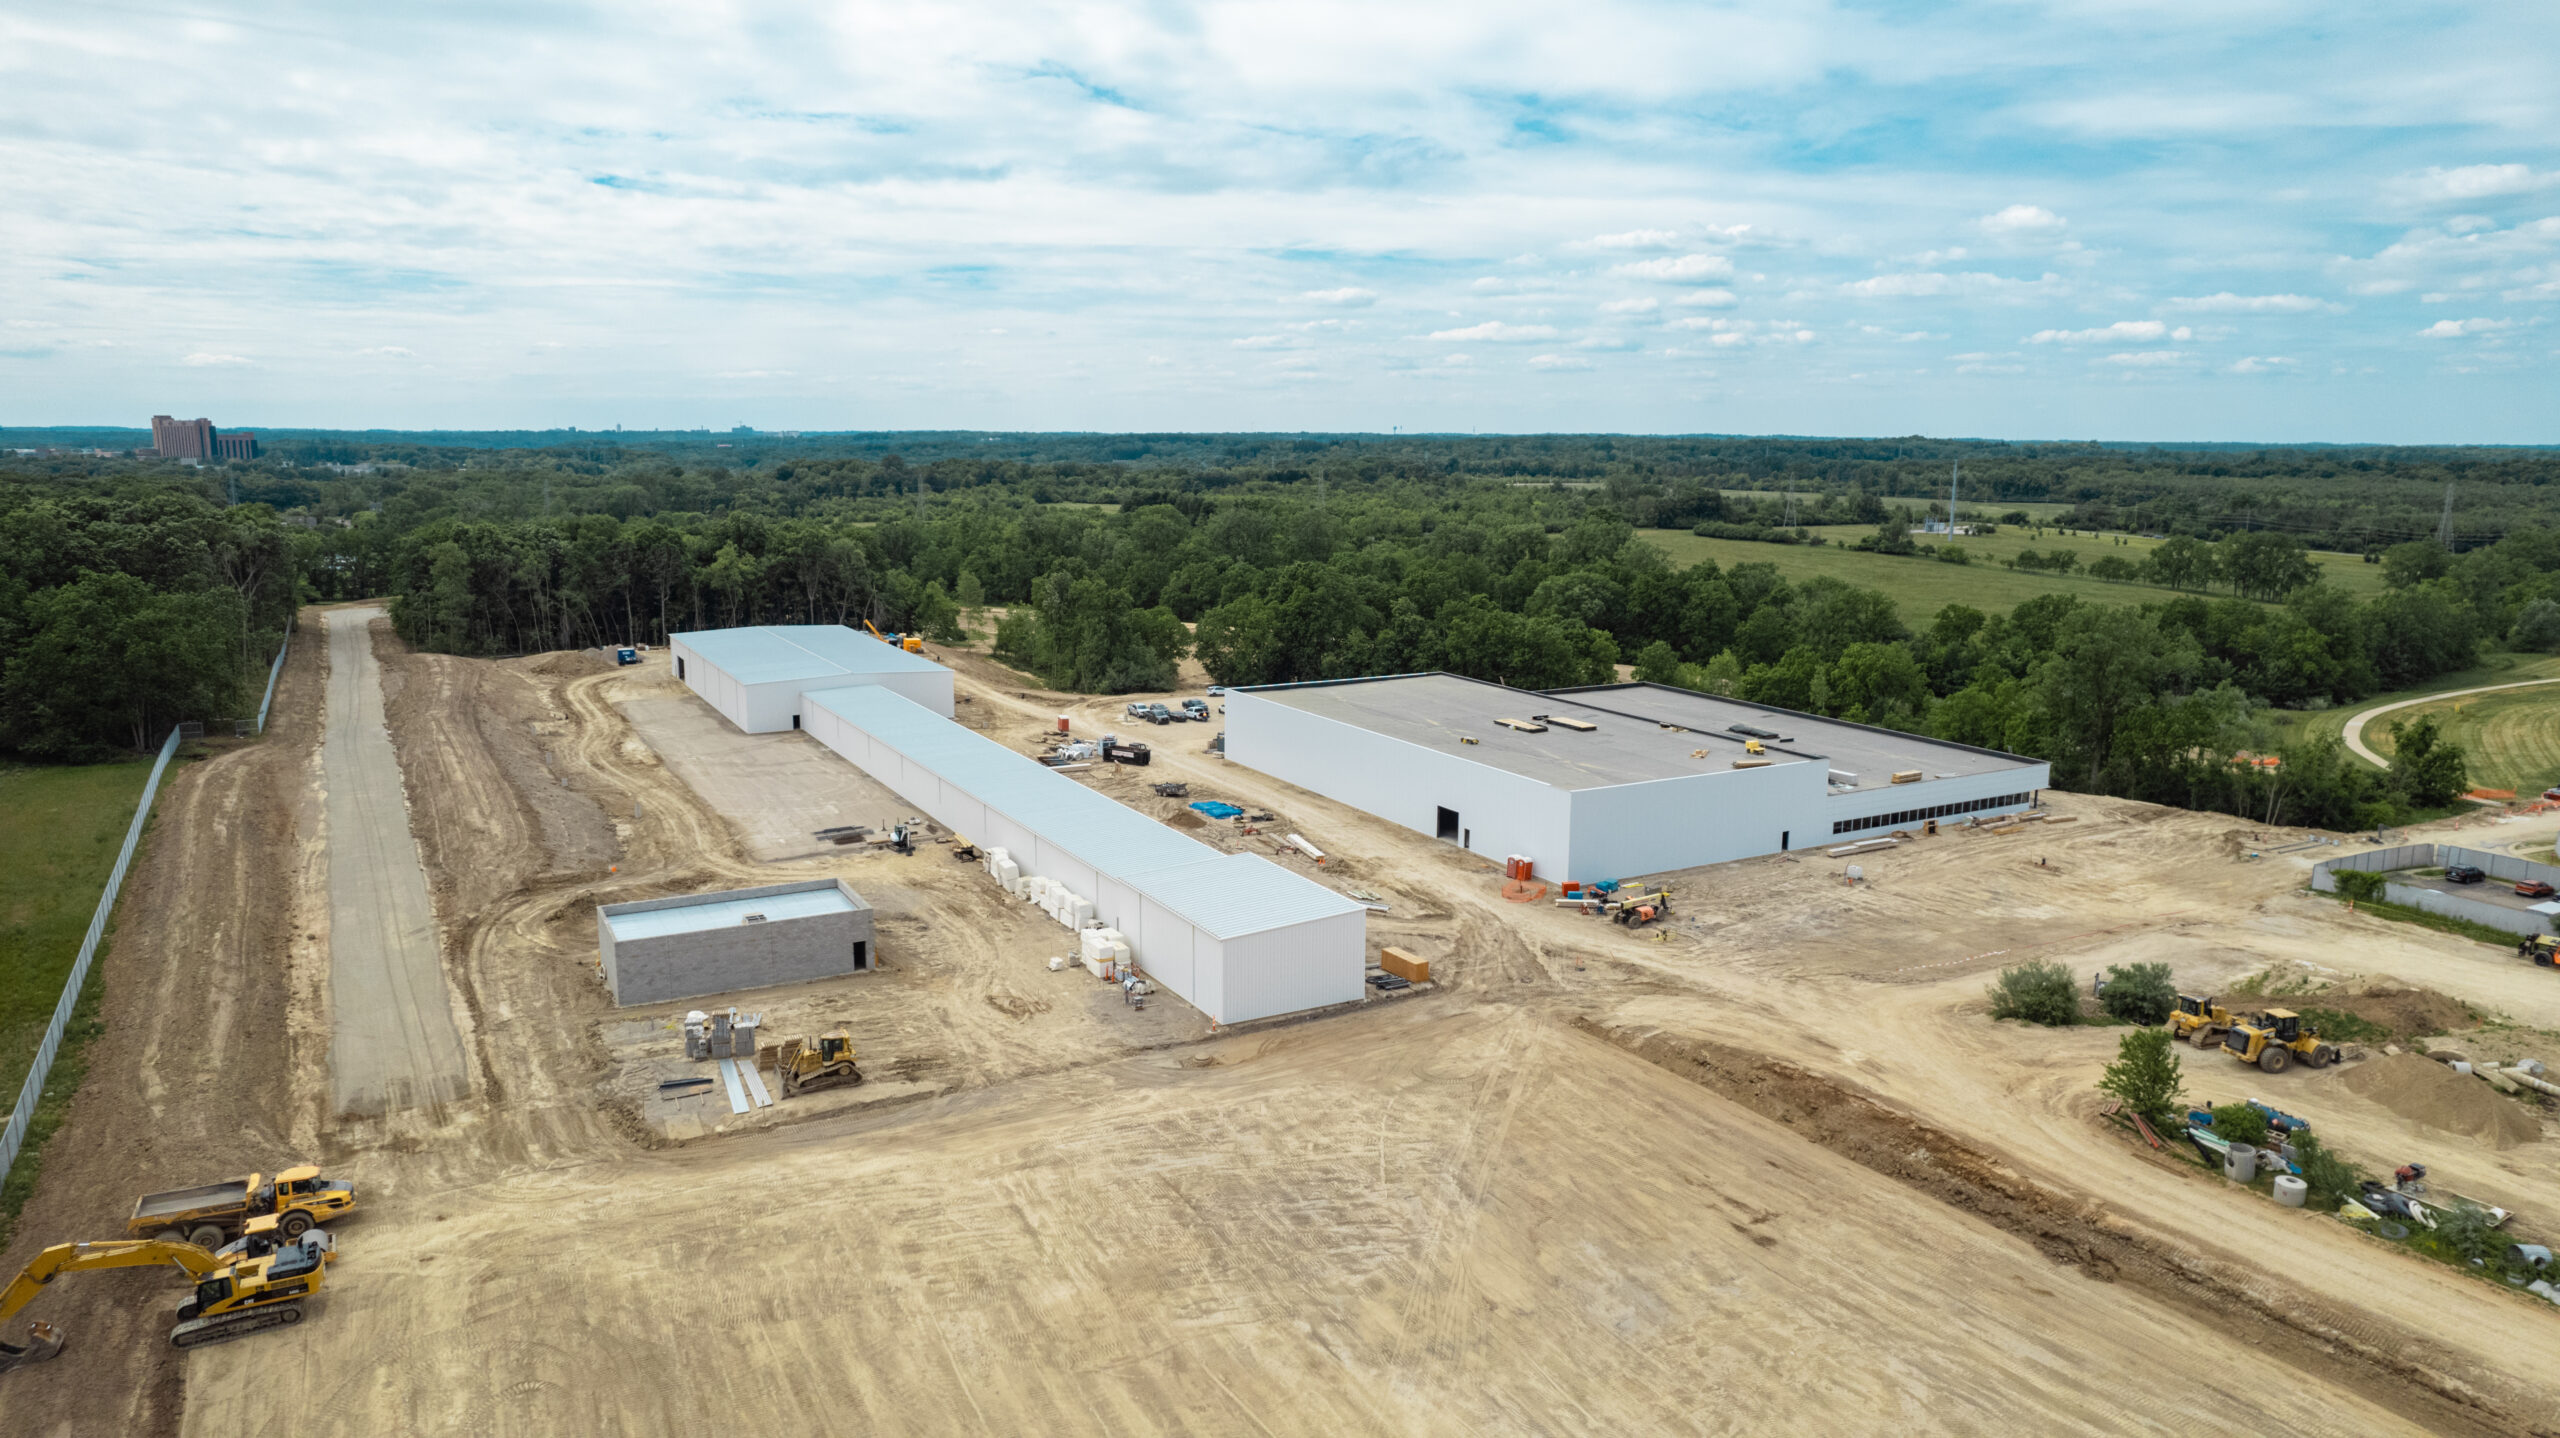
x,y
2355,726
392,1043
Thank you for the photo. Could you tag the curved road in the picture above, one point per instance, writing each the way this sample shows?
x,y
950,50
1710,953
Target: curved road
x,y
2355,727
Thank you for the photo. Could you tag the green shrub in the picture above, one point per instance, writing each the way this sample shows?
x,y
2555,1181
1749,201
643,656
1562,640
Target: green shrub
x,y
2239,1123
2038,992
2145,1075
2359,886
2140,993
2331,1179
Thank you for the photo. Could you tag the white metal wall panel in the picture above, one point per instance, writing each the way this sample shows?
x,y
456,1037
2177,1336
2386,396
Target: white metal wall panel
x,y
1309,965
1712,818
1499,812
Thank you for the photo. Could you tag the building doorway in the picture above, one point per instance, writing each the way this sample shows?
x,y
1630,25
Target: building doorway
x,y
862,955
1449,825
1783,836
679,666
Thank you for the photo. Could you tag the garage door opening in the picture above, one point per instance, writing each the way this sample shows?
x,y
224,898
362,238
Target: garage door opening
x,y
1449,825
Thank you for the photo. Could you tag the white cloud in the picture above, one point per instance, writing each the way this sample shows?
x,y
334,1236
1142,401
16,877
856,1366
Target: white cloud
x,y
200,357
2473,182
1498,332
1630,307
1682,269
2259,364
2147,359
1604,342
1347,295
2228,303
1929,284
1266,342
1558,362
1714,299
1637,240
390,352
1727,333
2024,222
2117,333
2453,329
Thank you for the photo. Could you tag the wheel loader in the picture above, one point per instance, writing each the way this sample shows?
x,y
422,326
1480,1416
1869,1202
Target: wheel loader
x,y
2543,949
2274,1039
822,1062
2200,1021
234,1295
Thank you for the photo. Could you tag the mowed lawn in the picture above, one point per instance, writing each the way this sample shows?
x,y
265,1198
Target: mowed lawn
x,y
2512,738
59,832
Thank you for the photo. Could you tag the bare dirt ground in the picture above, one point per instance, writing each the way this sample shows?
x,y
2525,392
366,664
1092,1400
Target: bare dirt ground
x,y
1774,1171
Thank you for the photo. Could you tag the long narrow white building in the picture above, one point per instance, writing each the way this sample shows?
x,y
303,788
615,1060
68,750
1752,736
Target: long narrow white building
x,y
755,676
1235,935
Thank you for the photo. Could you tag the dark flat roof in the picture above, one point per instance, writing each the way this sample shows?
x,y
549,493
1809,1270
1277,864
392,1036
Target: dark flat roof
x,y
1870,753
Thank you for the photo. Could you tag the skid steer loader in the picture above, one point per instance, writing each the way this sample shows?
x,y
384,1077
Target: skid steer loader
x,y
823,1062
2274,1039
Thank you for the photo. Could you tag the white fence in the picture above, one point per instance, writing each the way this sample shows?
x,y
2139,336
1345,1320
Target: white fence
x,y
2506,868
272,671
25,1112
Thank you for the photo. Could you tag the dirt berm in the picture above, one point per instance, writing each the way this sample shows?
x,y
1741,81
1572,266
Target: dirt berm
x,y
2424,1091
2391,1365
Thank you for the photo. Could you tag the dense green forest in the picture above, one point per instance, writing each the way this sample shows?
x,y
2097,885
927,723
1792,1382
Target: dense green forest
x,y
1278,558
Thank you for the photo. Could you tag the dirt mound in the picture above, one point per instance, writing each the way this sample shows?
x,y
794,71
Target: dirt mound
x,y
569,663
1186,819
2405,1010
2430,1093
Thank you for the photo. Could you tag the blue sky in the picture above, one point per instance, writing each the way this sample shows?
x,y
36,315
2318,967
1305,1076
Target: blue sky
x,y
2113,219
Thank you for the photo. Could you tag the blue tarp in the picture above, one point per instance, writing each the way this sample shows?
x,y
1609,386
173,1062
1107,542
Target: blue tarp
x,y
1216,810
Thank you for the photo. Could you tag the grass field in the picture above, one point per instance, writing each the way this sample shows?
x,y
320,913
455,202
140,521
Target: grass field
x,y
59,832
1921,587
2512,739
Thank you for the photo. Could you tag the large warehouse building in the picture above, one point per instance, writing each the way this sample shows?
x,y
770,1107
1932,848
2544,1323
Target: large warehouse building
x,y
755,677
1610,781
1235,935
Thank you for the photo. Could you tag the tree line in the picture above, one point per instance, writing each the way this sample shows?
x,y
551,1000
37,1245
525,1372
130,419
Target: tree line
x,y
126,608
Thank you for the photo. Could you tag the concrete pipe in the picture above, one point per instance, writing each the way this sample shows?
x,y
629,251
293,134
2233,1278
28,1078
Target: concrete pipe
x,y
2291,1191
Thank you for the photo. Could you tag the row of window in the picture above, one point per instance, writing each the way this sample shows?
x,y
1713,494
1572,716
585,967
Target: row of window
x,y
1934,811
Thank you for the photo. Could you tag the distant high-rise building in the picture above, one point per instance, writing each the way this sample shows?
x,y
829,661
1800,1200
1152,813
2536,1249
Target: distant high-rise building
x,y
238,444
181,438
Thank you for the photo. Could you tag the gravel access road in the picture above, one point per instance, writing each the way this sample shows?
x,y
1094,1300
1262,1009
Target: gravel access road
x,y
393,1041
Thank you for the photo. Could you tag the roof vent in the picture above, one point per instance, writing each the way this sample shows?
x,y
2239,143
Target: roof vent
x,y
1525,726
1584,725
752,919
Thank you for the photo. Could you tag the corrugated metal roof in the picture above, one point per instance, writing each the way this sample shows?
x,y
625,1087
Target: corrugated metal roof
x,y
1237,894
765,654
1108,835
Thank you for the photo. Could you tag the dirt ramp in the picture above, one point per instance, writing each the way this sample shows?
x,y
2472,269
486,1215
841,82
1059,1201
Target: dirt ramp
x,y
2424,1091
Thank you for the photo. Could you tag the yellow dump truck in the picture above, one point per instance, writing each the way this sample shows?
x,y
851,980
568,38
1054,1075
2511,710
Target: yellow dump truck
x,y
215,1213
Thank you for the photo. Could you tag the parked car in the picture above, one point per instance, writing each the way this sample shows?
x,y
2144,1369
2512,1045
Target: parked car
x,y
2551,794
2534,889
1196,709
1158,714
1139,709
1217,689
2465,873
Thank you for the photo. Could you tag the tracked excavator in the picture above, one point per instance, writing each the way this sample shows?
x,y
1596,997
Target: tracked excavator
x,y
822,1062
235,1295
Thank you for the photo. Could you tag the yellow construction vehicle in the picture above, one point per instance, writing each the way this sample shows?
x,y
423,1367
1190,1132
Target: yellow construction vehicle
x,y
823,1062
2200,1021
234,1297
2543,949
2274,1039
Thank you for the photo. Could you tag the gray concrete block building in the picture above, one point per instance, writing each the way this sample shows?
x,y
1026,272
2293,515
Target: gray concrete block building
x,y
693,945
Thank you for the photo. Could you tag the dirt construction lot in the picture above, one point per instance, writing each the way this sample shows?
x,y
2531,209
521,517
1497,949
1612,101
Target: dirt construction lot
x,y
1775,1171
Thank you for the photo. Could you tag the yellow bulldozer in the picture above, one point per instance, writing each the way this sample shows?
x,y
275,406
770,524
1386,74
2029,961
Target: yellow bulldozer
x,y
2200,1021
2274,1039
823,1062
236,1294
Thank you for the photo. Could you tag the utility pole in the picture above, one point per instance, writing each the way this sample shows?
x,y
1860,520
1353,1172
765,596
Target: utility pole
x,y
1953,477
2444,526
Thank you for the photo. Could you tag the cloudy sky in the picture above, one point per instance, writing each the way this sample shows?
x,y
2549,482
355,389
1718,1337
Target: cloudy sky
x,y
2123,219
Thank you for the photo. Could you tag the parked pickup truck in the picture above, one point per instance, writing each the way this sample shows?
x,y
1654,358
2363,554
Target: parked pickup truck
x,y
215,1214
1197,709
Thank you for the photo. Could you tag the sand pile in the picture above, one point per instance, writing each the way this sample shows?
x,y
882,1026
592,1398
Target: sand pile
x,y
2424,1091
2406,1010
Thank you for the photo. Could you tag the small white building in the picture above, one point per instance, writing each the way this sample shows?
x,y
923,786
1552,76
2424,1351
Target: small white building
x,y
755,676
1611,781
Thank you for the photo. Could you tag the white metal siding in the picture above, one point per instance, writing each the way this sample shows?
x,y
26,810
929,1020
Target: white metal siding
x,y
1664,824
1305,966
1927,794
1499,812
